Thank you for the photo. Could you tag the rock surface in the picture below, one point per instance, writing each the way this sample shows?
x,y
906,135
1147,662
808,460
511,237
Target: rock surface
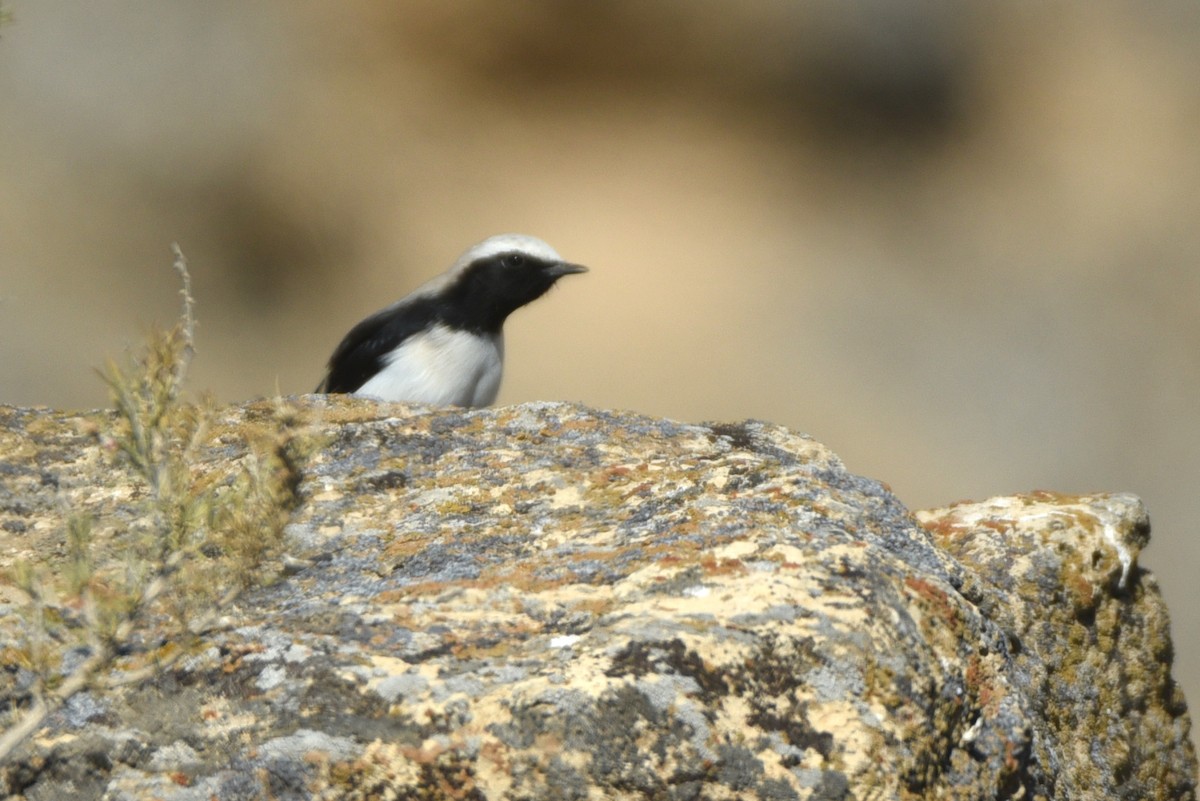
x,y
549,601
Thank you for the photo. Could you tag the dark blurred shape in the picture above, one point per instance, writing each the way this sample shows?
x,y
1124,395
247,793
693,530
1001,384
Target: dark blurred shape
x,y
271,246
895,74
874,71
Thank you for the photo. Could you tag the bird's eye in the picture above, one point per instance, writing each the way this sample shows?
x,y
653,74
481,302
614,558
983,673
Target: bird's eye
x,y
513,260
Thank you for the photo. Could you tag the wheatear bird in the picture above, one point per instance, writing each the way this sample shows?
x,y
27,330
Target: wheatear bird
x,y
443,343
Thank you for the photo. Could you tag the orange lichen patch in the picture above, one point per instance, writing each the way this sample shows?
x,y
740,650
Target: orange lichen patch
x,y
944,526
1000,525
498,649
14,657
232,661
1005,511
521,575
678,552
612,474
524,579
439,770
1083,519
421,589
591,555
497,754
403,547
982,684
640,490
560,426
1078,587
722,567
936,600
1055,498
925,590
163,654
596,607
1011,763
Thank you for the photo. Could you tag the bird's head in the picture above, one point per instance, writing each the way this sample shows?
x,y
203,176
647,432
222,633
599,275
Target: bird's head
x,y
501,274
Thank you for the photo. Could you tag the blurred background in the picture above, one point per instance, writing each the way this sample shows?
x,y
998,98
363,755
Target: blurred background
x,y
958,243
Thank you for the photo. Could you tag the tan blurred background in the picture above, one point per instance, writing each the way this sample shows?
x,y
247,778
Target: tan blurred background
x,y
958,243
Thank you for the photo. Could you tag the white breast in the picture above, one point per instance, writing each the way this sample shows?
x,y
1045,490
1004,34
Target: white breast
x,y
441,367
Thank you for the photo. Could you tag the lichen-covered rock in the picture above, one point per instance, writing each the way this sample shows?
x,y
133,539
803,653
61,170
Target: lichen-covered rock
x,y
551,602
1090,640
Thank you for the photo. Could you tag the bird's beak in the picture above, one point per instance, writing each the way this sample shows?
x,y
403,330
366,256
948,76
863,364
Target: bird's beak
x,y
562,268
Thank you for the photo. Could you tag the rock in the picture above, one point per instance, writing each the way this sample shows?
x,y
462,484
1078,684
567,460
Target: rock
x,y
549,601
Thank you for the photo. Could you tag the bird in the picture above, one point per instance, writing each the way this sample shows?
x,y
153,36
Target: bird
x,y
443,343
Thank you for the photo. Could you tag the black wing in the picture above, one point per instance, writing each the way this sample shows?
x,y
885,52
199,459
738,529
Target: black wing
x,y
363,352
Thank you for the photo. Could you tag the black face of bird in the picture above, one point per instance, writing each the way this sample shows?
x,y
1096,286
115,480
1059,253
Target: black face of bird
x,y
493,287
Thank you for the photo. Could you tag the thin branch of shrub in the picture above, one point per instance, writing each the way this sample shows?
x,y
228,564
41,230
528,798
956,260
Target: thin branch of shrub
x,y
203,533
